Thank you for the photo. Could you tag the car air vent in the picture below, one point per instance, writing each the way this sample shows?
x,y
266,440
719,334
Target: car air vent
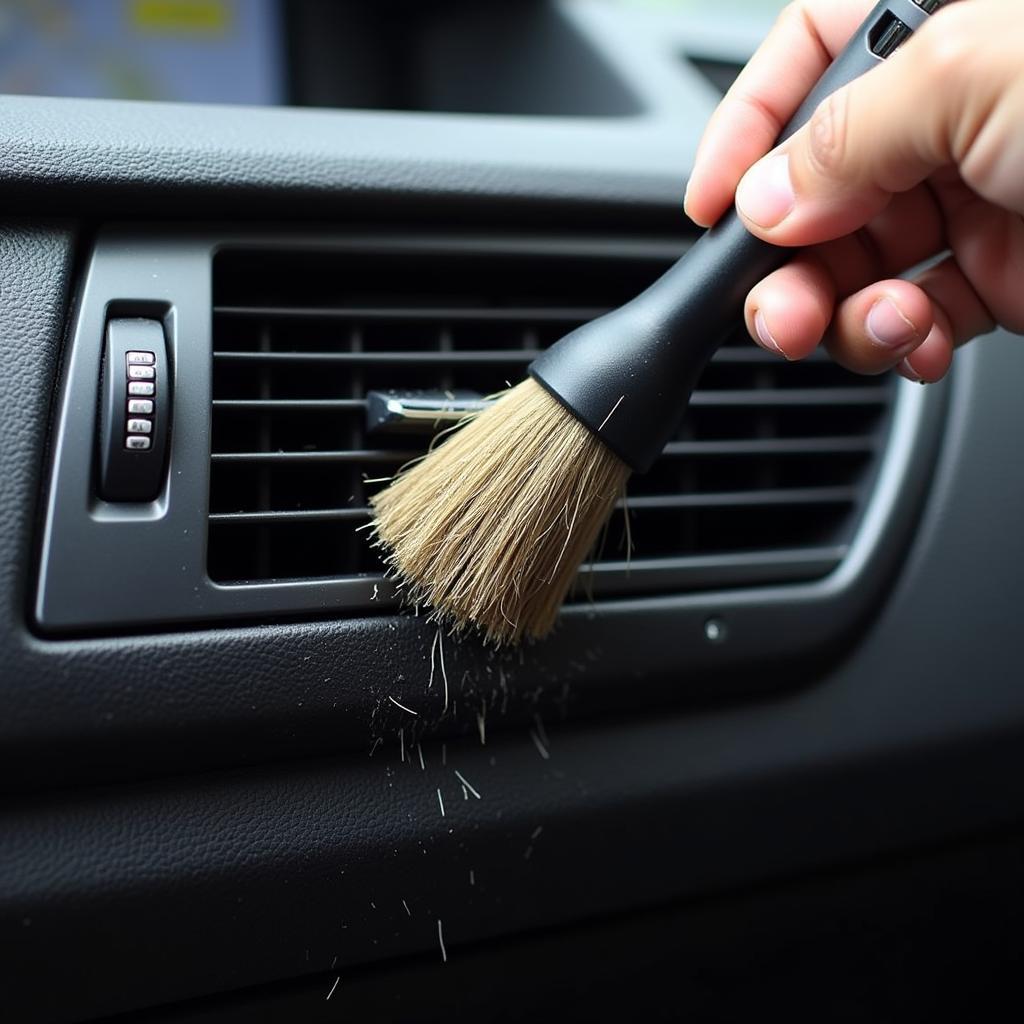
x,y
763,483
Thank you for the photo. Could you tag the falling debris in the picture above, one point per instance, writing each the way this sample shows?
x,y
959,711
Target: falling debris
x,y
463,780
402,706
334,962
536,832
444,673
529,850
407,910
333,987
433,655
440,800
539,744
440,939
472,877
419,750
401,745
444,755
541,731
481,726
376,744
465,793
373,596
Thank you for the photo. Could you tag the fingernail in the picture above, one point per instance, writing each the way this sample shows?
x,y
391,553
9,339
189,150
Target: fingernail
x,y
764,336
765,194
887,326
906,370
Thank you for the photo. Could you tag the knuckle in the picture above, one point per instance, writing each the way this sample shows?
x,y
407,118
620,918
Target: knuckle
x,y
828,135
793,9
945,54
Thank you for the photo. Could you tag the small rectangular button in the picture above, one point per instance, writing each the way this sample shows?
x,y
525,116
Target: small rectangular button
x,y
141,372
140,406
141,387
137,444
140,426
144,358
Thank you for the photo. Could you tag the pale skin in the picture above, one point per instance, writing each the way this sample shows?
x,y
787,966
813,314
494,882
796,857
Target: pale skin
x,y
922,157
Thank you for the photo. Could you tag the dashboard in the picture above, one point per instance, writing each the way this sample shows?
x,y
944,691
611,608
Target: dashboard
x,y
774,757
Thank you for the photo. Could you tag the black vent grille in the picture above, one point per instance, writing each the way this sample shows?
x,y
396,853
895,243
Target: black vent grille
x,y
763,483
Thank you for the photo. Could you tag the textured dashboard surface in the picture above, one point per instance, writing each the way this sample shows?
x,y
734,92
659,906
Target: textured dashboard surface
x,y
154,889
35,273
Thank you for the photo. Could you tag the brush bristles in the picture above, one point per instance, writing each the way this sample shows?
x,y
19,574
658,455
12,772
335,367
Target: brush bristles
x,y
491,527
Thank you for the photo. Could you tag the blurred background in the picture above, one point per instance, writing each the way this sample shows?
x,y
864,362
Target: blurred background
x,y
524,57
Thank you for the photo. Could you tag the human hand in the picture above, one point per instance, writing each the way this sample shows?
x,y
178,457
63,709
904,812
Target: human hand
x,y
922,156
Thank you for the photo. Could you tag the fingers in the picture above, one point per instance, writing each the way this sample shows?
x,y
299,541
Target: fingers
x,y
956,302
882,134
988,243
960,315
931,359
912,326
789,311
806,36
878,327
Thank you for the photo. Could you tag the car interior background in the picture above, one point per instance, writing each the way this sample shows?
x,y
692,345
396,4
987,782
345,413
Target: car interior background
x,y
773,756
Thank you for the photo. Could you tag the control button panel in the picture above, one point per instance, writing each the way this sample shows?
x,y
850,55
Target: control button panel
x,y
135,411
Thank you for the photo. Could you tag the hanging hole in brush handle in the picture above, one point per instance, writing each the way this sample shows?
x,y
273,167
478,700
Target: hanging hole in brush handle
x,y
643,360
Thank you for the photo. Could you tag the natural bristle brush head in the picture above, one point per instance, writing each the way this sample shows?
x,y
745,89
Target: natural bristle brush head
x,y
492,526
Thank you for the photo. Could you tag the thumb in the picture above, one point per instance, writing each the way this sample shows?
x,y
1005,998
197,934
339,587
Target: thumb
x,y
883,133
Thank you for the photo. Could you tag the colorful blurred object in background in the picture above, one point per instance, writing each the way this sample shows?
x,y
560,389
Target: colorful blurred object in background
x,y
220,51
382,54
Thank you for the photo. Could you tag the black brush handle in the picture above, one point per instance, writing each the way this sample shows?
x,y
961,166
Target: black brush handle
x,y
629,374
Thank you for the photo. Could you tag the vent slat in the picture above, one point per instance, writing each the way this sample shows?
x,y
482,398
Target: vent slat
x,y
644,575
311,515
688,449
773,446
728,569
746,355
373,455
420,314
465,358
272,404
730,499
786,496
793,396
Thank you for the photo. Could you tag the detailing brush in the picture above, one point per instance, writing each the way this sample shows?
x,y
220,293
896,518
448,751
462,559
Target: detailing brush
x,y
490,528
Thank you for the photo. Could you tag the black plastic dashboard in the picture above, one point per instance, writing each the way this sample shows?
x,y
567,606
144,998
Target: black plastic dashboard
x,y
200,808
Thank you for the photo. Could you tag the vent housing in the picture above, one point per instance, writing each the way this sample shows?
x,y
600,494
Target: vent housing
x,y
763,483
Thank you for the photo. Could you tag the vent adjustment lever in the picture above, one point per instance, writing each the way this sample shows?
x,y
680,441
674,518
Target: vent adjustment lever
x,y
134,411
419,412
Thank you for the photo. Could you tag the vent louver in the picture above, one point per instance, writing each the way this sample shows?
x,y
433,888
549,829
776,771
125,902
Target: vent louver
x,y
763,483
